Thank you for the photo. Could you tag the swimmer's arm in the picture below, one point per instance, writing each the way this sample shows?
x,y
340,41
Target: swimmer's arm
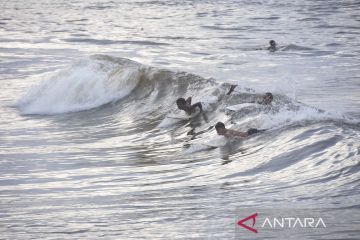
x,y
232,88
188,100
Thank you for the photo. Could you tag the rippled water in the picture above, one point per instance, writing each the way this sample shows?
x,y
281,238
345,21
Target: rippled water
x,y
88,147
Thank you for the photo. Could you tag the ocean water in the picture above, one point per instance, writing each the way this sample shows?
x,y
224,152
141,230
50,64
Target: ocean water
x,y
91,144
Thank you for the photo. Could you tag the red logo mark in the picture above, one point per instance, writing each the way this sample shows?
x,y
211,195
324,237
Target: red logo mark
x,y
253,217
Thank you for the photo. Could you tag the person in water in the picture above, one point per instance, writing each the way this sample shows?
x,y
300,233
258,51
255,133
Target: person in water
x,y
189,108
228,133
186,105
266,99
273,46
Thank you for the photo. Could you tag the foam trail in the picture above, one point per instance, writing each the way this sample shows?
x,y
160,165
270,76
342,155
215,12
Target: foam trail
x,y
89,83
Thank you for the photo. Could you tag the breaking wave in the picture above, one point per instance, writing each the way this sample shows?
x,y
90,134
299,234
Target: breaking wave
x,y
100,79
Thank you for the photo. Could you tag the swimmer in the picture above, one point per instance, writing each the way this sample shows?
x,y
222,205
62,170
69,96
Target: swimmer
x,y
266,99
228,133
189,108
273,46
186,105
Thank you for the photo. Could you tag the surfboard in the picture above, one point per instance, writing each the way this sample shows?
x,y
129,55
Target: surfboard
x,y
238,107
214,142
183,116
173,118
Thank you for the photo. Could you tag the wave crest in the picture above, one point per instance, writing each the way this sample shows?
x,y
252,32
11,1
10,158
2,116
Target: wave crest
x,y
89,83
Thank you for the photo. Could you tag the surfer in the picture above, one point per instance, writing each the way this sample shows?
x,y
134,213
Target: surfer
x,y
189,108
266,99
186,105
228,133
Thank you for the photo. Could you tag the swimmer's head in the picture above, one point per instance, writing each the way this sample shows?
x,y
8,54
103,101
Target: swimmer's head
x,y
181,102
220,128
267,98
272,43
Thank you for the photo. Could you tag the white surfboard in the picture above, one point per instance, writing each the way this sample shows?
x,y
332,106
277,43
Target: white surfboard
x,y
183,115
174,118
217,141
238,107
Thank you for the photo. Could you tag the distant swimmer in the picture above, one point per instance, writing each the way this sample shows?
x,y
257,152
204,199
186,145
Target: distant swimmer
x,y
228,133
273,46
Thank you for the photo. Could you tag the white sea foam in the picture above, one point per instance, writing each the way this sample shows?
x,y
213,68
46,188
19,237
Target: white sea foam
x,y
284,117
87,84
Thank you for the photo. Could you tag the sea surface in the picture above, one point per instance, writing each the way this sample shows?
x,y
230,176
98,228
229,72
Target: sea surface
x,y
91,143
